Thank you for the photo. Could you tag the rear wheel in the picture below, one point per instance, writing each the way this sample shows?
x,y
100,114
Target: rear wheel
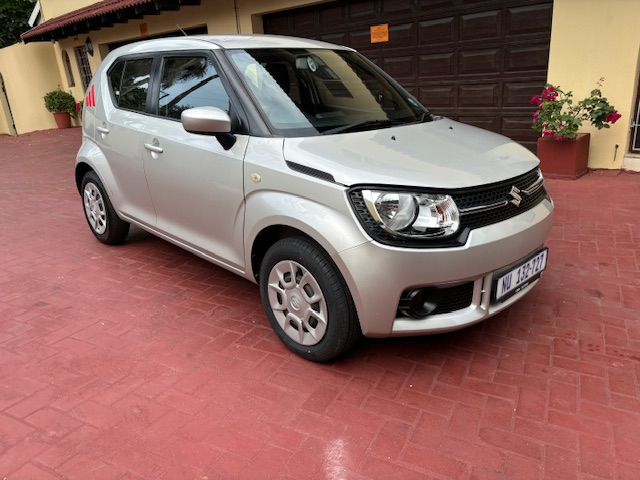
x,y
100,214
307,301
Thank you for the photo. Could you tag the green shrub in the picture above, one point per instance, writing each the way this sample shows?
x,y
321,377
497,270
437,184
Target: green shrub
x,y
59,101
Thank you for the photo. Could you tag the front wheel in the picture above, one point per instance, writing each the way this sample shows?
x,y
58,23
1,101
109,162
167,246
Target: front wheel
x,y
307,301
100,214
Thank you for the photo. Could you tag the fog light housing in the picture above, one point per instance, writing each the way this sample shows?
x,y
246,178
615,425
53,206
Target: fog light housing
x,y
420,302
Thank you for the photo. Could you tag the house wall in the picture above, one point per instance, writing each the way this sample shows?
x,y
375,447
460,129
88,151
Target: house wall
x,y
54,8
591,39
29,72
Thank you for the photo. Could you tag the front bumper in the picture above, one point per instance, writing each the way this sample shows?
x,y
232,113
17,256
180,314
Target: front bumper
x,y
378,274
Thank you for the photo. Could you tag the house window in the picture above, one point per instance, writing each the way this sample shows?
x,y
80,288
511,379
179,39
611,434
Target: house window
x,y
67,67
83,66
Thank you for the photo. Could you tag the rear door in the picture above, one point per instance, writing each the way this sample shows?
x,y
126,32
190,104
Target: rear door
x,y
196,185
119,117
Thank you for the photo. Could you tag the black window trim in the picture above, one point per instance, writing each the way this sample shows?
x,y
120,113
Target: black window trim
x,y
238,115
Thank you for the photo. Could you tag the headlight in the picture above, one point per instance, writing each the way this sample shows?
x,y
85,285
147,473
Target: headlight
x,y
415,215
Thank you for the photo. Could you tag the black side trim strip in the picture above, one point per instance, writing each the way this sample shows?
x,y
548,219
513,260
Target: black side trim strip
x,y
311,171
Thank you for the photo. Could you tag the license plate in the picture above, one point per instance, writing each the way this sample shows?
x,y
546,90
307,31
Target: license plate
x,y
519,277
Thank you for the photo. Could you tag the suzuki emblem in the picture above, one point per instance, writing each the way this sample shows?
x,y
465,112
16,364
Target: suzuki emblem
x,y
515,194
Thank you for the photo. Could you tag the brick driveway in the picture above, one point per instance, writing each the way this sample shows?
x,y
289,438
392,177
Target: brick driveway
x,y
143,361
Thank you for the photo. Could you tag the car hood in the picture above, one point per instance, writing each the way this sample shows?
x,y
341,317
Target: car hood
x,y
441,153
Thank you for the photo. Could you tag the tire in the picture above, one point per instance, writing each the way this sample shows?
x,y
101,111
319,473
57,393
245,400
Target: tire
x,y
103,220
307,301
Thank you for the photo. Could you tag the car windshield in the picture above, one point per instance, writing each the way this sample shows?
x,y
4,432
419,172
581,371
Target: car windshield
x,y
318,91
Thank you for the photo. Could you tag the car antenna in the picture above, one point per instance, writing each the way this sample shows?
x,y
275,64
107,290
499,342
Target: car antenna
x,y
183,32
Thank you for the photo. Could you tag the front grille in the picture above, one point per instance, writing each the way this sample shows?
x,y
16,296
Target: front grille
x,y
481,204
497,193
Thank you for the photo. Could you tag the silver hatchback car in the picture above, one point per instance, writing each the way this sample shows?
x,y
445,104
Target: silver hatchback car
x,y
303,167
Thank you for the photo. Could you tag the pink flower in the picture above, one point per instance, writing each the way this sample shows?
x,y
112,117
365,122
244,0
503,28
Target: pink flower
x,y
535,114
534,100
613,117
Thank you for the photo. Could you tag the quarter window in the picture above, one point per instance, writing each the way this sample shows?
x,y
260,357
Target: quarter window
x,y
129,81
189,82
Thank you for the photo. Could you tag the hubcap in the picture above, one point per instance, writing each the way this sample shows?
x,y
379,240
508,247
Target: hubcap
x,y
297,302
94,208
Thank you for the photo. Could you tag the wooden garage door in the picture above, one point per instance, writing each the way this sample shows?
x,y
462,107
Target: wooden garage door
x,y
477,61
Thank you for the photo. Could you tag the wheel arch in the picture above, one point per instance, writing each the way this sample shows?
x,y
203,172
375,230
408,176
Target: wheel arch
x,y
81,170
90,158
267,237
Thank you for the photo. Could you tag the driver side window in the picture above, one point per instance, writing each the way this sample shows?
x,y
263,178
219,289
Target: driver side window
x,y
189,82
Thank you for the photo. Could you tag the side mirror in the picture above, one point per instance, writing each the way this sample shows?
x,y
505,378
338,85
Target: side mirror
x,y
209,121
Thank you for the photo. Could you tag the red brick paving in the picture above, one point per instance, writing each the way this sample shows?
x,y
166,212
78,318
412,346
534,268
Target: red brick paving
x,y
143,361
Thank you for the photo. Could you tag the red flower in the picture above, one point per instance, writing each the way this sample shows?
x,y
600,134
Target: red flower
x,y
613,117
534,100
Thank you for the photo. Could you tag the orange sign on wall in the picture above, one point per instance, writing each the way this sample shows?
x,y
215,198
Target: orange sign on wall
x,y
143,30
380,33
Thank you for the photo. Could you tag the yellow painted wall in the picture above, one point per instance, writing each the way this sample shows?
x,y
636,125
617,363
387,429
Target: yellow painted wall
x,y
592,39
29,72
54,8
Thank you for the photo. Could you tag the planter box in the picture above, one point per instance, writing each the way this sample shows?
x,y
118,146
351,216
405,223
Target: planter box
x,y
63,119
568,159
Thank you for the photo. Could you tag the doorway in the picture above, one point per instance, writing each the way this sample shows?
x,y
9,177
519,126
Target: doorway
x,y
6,117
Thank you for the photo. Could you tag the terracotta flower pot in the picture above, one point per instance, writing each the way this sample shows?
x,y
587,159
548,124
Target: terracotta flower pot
x,y
63,119
566,159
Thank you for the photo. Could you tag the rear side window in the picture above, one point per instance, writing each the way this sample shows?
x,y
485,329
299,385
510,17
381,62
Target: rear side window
x,y
129,81
188,82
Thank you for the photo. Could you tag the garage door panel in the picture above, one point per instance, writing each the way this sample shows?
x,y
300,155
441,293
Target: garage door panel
x,y
436,32
303,20
336,38
438,98
397,7
487,96
479,61
520,58
361,11
330,16
487,122
360,39
401,68
517,93
403,34
432,6
441,63
473,60
481,26
529,19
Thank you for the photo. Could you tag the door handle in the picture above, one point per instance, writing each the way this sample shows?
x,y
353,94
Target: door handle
x,y
153,148
102,129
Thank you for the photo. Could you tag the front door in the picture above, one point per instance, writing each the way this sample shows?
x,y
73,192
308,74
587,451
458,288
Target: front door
x,y
196,185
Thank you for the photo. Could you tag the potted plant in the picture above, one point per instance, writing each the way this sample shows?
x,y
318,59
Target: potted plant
x,y
62,105
563,152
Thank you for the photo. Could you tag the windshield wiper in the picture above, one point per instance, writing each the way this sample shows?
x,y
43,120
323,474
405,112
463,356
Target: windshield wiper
x,y
362,126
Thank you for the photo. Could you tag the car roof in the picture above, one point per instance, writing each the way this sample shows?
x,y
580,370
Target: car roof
x,y
222,42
